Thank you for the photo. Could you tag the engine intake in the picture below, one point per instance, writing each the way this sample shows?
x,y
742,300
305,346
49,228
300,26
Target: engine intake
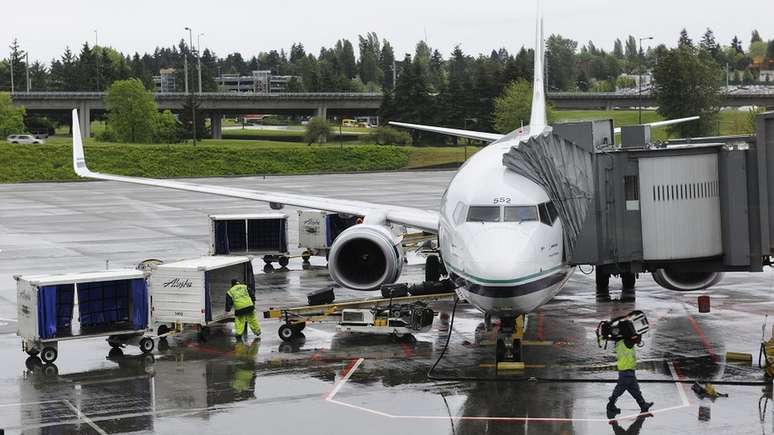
x,y
686,281
364,257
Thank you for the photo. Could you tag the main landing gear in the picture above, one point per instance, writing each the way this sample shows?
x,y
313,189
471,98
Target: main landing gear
x,y
509,344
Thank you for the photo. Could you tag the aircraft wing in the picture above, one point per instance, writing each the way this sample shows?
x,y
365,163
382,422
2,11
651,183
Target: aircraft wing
x,y
667,122
425,220
467,134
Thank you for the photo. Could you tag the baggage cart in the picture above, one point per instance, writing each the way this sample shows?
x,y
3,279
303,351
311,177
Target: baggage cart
x,y
318,229
263,234
193,292
112,304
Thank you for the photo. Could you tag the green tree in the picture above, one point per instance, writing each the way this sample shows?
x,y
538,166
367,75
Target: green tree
x,y
11,117
687,83
18,66
770,51
387,65
560,62
132,111
191,105
618,49
167,128
513,108
317,130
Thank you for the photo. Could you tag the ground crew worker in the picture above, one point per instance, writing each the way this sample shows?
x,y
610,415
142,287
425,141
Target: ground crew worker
x,y
627,379
243,301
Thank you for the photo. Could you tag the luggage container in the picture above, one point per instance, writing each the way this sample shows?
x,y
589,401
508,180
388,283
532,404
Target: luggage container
x,y
112,304
264,234
318,229
193,292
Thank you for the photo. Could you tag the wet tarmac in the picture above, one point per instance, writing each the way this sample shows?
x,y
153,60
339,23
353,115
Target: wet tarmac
x,y
329,382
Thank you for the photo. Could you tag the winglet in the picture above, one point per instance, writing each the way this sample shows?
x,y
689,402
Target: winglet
x,y
79,159
538,121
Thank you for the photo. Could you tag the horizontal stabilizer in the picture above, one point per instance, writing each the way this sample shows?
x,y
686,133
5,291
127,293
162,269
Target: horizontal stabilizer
x,y
467,134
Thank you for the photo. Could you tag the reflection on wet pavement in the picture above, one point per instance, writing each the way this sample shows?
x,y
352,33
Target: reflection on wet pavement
x,y
327,382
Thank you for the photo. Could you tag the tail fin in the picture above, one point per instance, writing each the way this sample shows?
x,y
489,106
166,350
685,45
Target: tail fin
x,y
538,121
79,159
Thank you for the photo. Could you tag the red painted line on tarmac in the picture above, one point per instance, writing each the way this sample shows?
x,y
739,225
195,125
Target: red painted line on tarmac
x,y
704,341
541,319
408,350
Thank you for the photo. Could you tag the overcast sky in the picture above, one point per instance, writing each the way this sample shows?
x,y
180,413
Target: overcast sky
x,y
46,27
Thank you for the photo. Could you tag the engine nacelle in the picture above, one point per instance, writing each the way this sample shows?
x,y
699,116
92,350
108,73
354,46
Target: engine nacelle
x,y
686,281
364,257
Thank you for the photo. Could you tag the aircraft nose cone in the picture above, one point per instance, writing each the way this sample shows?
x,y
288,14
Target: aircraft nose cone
x,y
502,254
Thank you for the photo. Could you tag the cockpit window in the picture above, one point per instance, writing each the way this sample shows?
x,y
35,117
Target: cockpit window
x,y
520,213
482,213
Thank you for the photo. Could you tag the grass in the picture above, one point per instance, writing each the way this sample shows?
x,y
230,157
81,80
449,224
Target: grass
x,y
255,154
729,122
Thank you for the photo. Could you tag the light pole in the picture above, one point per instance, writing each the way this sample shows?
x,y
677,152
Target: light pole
x,y
641,57
97,54
193,102
199,59
27,62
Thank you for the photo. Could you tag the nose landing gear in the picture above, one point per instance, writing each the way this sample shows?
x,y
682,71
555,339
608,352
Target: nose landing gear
x,y
509,344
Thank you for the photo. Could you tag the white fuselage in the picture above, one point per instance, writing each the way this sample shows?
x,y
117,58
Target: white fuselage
x,y
498,240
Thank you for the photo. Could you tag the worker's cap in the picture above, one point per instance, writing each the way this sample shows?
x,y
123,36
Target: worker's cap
x,y
234,281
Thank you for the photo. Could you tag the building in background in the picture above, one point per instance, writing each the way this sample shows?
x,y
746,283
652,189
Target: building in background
x,y
165,81
260,82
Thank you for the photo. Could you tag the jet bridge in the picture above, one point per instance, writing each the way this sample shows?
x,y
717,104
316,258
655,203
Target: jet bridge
x,y
686,210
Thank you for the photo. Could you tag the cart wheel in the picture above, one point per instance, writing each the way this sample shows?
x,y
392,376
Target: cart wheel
x,y
306,257
115,353
286,333
267,259
163,344
48,355
32,363
33,352
268,268
114,344
283,261
50,370
163,329
204,333
146,345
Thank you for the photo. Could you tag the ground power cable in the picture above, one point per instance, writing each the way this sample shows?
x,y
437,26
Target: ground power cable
x,y
431,376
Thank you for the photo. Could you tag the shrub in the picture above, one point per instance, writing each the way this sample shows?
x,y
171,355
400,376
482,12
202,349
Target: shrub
x,y
389,136
317,130
167,128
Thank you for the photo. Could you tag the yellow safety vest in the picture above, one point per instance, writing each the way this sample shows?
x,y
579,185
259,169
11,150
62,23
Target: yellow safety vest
x,y
240,296
627,357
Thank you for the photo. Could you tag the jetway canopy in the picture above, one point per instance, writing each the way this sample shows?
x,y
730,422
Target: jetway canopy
x,y
692,205
564,170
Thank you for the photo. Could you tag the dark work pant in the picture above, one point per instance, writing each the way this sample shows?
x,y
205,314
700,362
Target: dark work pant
x,y
627,381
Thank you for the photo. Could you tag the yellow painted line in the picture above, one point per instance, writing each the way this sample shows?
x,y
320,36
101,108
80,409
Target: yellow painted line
x,y
528,366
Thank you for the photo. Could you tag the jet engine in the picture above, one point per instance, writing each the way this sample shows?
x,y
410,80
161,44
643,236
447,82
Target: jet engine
x,y
363,257
686,281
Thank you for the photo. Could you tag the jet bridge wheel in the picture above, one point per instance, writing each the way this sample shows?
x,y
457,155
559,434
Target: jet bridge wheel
x,y
286,332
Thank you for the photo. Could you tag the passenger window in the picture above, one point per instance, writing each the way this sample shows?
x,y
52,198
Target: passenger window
x,y
478,213
544,216
520,213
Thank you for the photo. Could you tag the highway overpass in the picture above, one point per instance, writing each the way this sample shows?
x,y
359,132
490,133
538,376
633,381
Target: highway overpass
x,y
216,105
211,105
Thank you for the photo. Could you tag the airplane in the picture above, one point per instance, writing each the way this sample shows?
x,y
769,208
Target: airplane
x,y
500,236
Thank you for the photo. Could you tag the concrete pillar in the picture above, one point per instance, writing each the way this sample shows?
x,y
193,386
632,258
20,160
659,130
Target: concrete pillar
x,y
322,111
216,125
84,118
